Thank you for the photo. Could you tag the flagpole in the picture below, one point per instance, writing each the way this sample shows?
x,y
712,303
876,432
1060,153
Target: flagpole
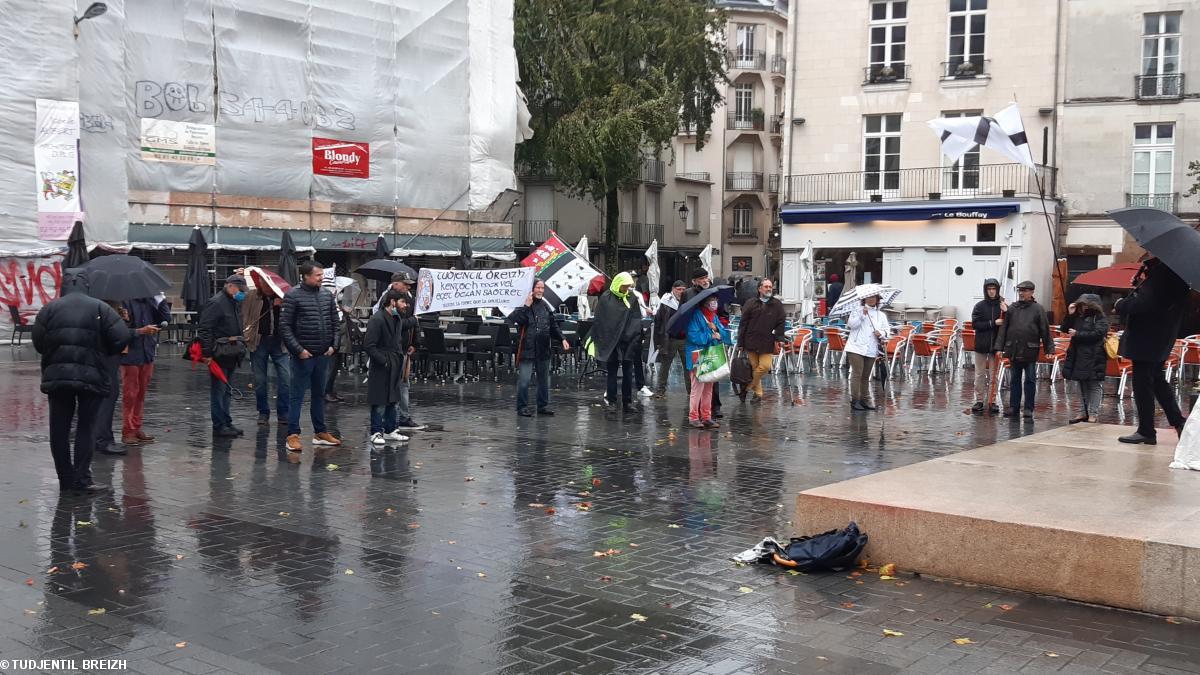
x,y
1053,237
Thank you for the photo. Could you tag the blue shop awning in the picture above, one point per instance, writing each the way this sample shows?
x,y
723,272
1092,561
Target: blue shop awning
x,y
967,209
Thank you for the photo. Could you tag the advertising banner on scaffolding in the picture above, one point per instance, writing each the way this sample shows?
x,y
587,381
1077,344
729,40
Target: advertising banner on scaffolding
x,y
56,161
184,142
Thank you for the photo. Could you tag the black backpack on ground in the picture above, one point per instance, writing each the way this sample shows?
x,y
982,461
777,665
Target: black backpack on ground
x,y
829,551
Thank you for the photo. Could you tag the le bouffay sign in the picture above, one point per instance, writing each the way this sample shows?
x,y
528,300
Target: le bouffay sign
x,y
345,159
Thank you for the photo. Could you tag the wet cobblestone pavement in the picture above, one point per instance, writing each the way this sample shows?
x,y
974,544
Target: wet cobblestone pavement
x,y
474,549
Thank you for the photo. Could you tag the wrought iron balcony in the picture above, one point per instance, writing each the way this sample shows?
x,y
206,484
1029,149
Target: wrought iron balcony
x,y
744,181
533,231
654,171
883,73
937,182
773,184
639,234
747,60
1167,202
695,175
745,122
532,171
779,64
777,125
960,69
1158,87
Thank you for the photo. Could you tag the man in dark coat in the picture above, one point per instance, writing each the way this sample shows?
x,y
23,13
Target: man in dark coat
x,y
538,330
616,335
260,315
411,340
308,324
763,320
222,340
1023,332
701,281
146,317
75,334
833,291
1152,315
384,344
669,349
1086,361
986,319
106,442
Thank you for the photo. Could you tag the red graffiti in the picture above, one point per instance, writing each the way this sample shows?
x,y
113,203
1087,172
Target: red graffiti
x,y
356,243
28,284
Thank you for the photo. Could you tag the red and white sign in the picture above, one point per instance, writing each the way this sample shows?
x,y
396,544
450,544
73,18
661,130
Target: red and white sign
x,y
345,159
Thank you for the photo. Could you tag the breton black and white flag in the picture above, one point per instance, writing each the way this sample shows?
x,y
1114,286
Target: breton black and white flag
x,y
1004,133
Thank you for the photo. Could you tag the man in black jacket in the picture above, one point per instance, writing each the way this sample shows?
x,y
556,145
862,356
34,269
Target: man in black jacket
x,y
1023,332
307,325
1152,315
385,346
75,334
986,320
538,329
222,340
670,349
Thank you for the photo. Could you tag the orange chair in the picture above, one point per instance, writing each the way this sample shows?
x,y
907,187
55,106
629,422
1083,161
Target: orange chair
x,y
1121,368
794,351
924,347
894,350
1055,359
835,341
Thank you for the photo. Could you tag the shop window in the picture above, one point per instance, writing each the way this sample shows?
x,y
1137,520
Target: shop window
x,y
985,232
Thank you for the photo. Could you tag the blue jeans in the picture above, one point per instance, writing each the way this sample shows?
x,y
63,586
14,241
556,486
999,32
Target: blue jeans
x,y
383,418
1028,371
311,375
525,374
402,410
219,397
261,359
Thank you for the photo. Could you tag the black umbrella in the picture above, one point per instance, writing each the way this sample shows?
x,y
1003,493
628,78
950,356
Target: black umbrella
x,y
382,252
197,285
1166,237
678,324
382,270
288,268
123,277
77,253
465,259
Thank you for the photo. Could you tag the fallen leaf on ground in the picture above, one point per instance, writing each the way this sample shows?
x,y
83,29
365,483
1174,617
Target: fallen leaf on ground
x,y
673,526
884,577
180,645
864,564
637,617
963,641
452,542
179,556
584,506
854,575
900,583
606,578
585,493
481,575
1006,607
888,570
605,554
794,573
551,511
633,545
349,571
535,505
389,510
31,612
413,526
1052,655
469,478
848,605
822,658
52,570
1171,619
888,632
988,606
98,610
596,482
78,565
29,581
22,501
331,467
285,514
83,523
746,589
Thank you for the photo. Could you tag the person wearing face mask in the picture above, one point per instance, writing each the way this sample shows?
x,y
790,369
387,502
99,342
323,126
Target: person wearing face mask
x,y
704,331
222,340
701,281
384,344
1086,360
869,328
763,320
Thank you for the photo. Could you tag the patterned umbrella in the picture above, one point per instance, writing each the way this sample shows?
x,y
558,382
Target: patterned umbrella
x,y
853,298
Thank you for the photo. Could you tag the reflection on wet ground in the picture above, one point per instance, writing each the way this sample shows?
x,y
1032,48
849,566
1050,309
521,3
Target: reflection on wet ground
x,y
472,549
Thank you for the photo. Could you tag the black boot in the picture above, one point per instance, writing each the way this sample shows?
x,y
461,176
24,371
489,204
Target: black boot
x,y
866,405
1135,438
857,405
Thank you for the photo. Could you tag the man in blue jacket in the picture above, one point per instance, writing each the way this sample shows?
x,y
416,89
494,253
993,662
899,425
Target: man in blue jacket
x,y
137,366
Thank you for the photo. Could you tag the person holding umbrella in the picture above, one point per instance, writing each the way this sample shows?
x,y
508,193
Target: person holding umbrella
x,y
385,346
223,344
869,332
704,329
701,282
260,316
149,315
1152,315
74,333
616,336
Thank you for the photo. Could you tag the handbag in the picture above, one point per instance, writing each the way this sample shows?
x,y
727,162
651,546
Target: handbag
x,y
1112,345
740,370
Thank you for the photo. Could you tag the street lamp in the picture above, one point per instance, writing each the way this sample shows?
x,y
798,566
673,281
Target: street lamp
x,y
682,209
94,10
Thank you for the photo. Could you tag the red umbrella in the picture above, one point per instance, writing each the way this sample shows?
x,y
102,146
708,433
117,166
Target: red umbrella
x,y
1116,276
195,354
259,276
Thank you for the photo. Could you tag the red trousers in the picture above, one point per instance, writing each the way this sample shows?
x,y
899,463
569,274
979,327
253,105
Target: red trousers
x,y
135,380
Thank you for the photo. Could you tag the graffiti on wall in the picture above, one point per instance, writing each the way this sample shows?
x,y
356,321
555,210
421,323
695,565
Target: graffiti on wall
x,y
28,284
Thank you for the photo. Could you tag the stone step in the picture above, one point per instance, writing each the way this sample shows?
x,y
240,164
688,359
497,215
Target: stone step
x,y
1069,512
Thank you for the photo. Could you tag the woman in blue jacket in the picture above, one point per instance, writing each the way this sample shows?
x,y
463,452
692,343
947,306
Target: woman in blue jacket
x,y
704,331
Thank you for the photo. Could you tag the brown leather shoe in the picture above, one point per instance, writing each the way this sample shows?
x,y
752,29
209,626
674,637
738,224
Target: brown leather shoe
x,y
131,440
325,438
293,443
144,437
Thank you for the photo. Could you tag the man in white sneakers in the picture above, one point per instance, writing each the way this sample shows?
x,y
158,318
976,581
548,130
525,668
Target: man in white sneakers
x,y
384,344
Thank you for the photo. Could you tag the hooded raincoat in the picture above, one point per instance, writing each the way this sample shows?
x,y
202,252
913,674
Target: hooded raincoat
x,y
618,325
984,317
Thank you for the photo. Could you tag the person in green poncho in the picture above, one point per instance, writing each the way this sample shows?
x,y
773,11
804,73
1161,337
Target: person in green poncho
x,y
616,337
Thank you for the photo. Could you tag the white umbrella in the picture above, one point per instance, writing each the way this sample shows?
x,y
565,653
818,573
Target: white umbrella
x,y
585,309
652,275
853,298
807,284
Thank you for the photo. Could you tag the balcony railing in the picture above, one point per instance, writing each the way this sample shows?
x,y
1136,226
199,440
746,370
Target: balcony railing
x,y
1158,87
779,64
654,171
744,181
744,122
776,126
529,170
695,175
883,73
747,60
533,231
773,184
1166,202
988,180
743,234
959,69
639,234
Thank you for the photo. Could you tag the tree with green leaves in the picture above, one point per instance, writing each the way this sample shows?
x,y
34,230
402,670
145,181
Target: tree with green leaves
x,y
1193,172
609,83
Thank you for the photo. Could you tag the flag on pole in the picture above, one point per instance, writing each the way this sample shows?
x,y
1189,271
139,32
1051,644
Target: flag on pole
x,y
585,309
1004,133
1008,284
565,272
706,260
653,272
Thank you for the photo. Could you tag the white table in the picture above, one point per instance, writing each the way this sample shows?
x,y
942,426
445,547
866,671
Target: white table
x,y
462,339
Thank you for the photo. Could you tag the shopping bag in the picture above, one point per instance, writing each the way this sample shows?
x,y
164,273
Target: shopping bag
x,y
740,371
1187,453
1112,345
713,364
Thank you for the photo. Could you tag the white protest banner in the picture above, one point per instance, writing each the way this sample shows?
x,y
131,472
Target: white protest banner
x,y
56,161
184,142
446,290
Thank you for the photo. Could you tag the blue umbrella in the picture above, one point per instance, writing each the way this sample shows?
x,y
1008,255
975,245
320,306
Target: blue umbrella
x,y
677,327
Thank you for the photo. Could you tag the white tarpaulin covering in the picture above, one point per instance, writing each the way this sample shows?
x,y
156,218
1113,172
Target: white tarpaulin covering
x,y
429,85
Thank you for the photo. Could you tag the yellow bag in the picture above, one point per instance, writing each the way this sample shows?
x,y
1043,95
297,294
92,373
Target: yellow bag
x,y
1112,345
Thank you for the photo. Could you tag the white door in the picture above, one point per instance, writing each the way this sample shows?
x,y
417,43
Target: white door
x,y
936,277
789,276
